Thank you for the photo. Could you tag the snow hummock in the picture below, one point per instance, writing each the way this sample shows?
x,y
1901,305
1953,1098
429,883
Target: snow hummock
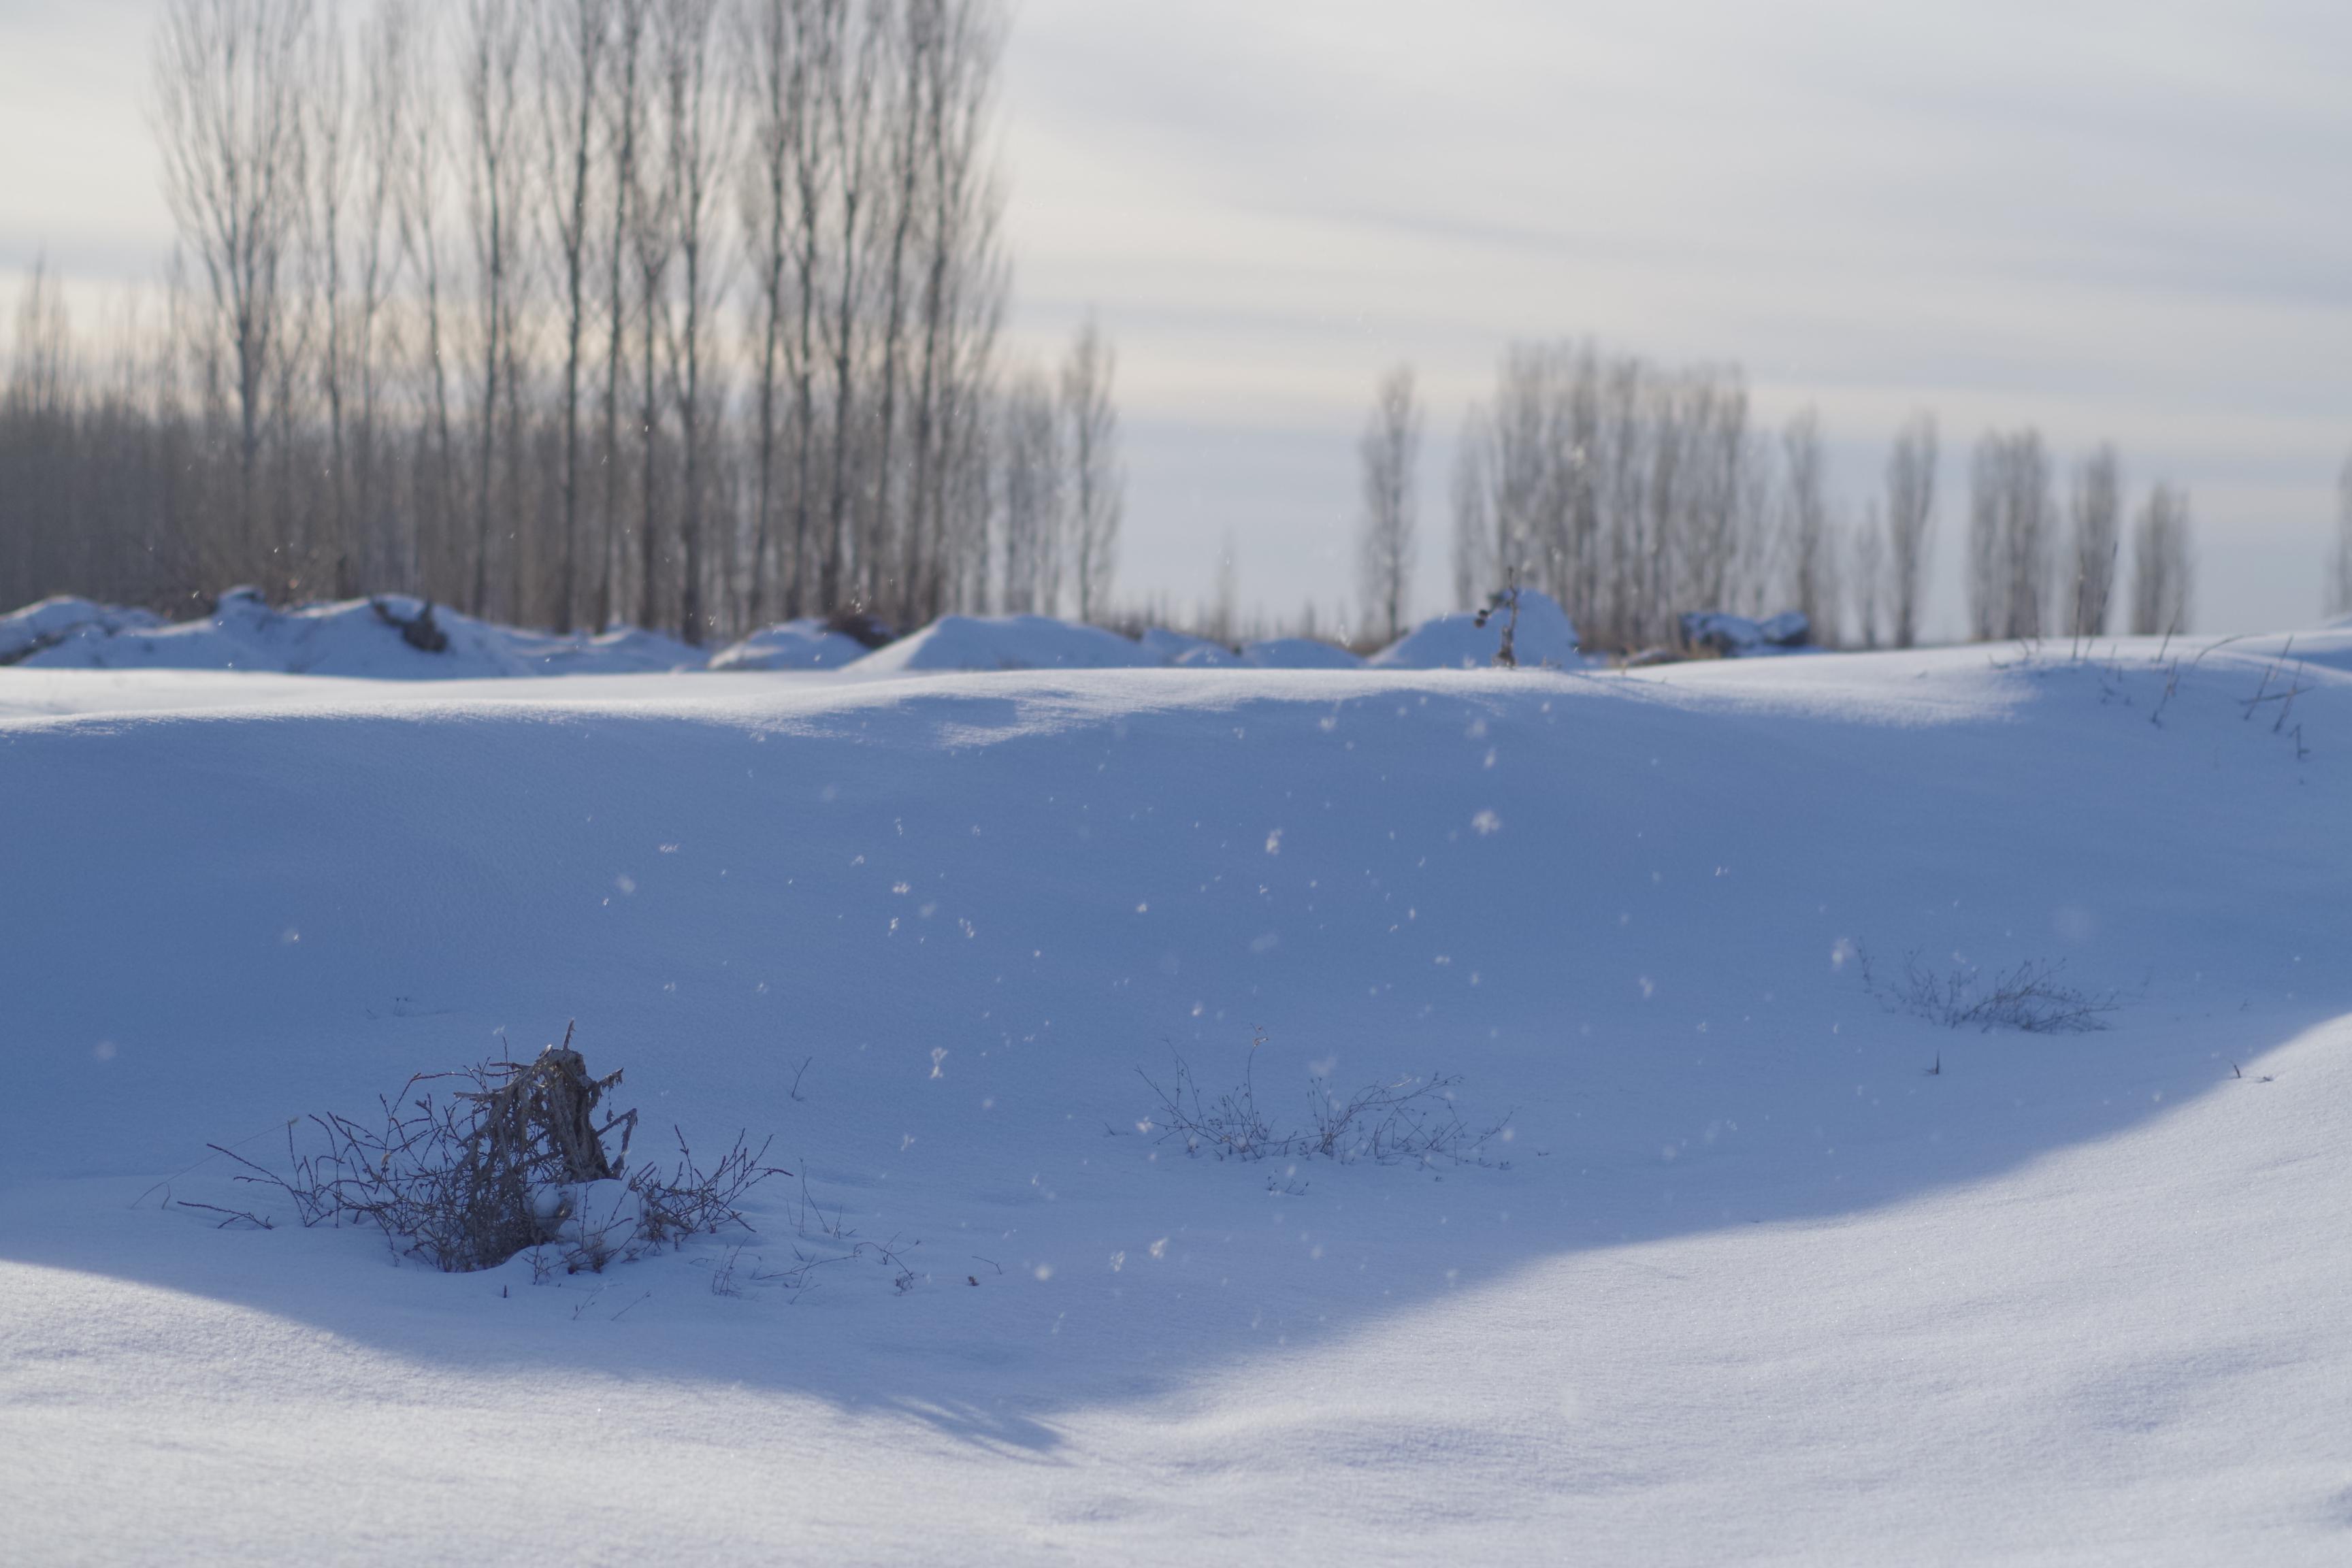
x,y
1545,637
806,644
1739,637
1776,1272
360,637
1005,642
26,633
1181,648
1298,653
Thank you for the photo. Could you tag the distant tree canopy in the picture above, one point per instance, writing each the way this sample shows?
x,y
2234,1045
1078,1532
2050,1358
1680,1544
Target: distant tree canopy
x,y
1634,492
561,312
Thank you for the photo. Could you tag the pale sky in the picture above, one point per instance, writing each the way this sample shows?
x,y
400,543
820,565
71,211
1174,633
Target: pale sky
x,y
2115,221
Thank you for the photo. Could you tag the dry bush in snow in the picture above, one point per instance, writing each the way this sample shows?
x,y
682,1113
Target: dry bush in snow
x,y
1399,1121
464,1170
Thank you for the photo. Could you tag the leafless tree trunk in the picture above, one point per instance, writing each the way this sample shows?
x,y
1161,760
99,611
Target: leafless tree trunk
x,y
386,104
1910,521
572,37
1805,525
2010,536
227,114
1473,519
2098,537
1387,457
493,86
1096,501
2339,593
1869,585
774,48
696,136
2161,564
847,125
1034,503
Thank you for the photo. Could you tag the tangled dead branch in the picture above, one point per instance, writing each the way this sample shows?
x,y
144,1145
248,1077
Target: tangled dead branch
x,y
464,1170
1400,1121
2030,998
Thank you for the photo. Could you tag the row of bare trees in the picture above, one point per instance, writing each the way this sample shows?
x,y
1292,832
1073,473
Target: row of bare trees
x,y
1634,492
571,312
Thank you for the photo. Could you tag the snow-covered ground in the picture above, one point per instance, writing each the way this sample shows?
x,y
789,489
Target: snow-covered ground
x,y
1748,1282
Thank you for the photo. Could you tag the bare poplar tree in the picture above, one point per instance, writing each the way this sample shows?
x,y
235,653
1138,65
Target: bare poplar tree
x,y
2160,564
2339,591
573,36
494,38
773,48
1096,485
1910,521
696,135
2010,512
1870,569
328,130
1387,457
624,114
855,49
1035,502
420,191
1473,522
227,112
386,104
2097,516
1805,524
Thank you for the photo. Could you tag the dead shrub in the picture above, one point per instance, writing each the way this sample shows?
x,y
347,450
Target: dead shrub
x,y
2030,998
464,1170
1398,1122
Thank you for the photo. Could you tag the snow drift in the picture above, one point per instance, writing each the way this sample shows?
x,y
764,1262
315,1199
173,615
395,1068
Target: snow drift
x,y
967,643
360,637
1778,1270
1545,637
807,644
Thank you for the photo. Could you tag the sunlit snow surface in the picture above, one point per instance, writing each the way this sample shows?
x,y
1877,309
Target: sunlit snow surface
x,y
1755,1287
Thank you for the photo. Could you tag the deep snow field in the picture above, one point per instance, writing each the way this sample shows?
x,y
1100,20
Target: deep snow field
x,y
1748,1281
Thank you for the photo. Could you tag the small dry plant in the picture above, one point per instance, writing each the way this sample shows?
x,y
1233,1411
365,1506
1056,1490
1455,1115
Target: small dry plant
x,y
1400,1121
2030,998
464,1170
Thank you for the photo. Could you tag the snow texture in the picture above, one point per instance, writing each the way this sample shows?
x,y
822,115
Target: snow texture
x,y
1546,637
1776,1272
359,637
969,643
806,644
1738,636
1298,653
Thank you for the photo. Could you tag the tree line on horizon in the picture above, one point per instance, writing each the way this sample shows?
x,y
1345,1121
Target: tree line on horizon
x,y
1634,493
570,312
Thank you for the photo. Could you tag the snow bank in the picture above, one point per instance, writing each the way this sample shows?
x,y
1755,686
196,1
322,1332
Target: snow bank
x,y
1776,1272
1737,637
26,633
1184,649
806,644
1298,653
1005,642
1545,637
388,637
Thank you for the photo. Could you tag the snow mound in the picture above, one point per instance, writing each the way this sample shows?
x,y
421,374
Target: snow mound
x,y
1546,637
1185,650
390,637
806,644
1737,637
1298,653
29,631
1005,642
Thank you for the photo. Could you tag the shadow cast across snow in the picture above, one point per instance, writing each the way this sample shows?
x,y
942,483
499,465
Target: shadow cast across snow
x,y
927,932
